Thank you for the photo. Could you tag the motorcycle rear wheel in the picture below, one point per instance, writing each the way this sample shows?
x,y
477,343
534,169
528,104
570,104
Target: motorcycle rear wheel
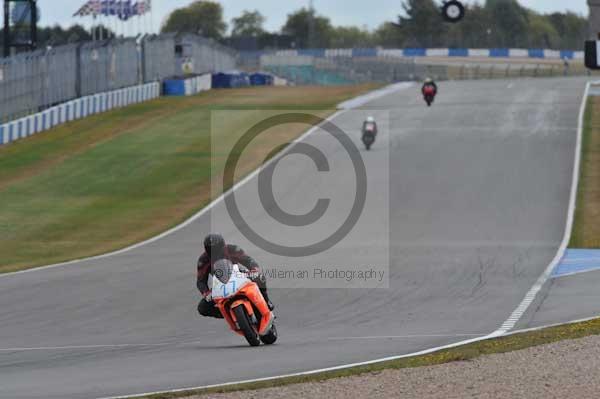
x,y
247,328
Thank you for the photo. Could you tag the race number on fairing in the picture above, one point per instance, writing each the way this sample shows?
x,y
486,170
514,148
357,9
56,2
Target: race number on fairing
x,y
233,285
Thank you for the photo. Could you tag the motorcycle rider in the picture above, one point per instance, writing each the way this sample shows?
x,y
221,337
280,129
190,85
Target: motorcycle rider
x,y
215,249
429,83
370,121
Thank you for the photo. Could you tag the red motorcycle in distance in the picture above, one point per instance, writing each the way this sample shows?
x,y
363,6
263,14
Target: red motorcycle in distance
x,y
429,93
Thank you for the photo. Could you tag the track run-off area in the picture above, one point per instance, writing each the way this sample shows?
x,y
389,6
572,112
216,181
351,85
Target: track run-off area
x,y
466,208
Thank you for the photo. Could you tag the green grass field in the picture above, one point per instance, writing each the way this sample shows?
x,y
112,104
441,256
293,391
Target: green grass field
x,y
111,180
586,226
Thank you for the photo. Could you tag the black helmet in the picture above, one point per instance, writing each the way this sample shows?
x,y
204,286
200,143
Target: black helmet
x,y
214,244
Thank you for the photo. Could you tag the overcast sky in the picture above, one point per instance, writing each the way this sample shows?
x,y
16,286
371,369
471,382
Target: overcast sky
x,y
368,13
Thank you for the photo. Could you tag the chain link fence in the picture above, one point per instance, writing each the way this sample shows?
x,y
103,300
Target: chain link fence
x,y
345,69
30,82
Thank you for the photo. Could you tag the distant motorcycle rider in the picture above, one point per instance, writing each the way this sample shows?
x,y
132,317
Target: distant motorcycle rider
x,y
215,249
370,121
429,83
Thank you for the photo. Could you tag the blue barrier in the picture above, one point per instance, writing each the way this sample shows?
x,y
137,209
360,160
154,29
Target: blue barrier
x,y
313,52
415,52
261,79
536,53
458,52
499,52
174,87
1,135
364,52
230,80
569,54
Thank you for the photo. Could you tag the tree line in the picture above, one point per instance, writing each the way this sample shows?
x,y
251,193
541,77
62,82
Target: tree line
x,y
491,24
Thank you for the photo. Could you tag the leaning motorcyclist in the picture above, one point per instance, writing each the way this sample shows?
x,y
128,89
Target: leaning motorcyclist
x,y
370,122
215,249
429,83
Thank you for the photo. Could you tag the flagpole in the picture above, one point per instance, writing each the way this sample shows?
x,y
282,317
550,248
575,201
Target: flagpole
x,y
152,15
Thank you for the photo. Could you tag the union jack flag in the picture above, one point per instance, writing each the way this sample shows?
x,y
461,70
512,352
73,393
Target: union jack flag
x,y
142,7
92,7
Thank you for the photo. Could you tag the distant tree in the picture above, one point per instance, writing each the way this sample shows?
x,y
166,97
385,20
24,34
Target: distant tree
x,y
350,36
389,35
541,33
509,23
474,31
299,24
571,28
422,23
202,17
250,23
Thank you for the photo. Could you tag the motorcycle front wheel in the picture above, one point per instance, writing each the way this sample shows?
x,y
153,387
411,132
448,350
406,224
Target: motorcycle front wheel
x,y
246,326
271,337
368,141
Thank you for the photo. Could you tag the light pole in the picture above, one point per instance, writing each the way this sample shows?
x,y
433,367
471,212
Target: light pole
x,y
311,25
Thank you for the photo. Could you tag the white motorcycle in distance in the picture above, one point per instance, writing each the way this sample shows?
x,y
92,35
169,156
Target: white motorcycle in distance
x,y
241,303
369,132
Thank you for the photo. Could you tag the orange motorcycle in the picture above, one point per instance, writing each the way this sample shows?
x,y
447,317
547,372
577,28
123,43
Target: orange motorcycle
x,y
241,303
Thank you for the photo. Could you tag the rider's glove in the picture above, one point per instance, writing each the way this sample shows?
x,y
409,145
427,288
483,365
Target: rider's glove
x,y
208,297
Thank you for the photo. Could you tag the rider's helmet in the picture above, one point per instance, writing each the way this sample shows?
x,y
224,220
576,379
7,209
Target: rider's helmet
x,y
428,80
214,244
370,119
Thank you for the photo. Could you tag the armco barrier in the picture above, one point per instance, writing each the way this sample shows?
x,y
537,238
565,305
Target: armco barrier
x,y
76,109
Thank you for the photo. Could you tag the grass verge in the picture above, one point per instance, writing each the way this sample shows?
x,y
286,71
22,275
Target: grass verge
x,y
586,226
111,180
466,352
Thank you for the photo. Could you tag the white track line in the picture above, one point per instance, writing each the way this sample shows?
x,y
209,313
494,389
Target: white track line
x,y
503,330
405,336
343,108
345,366
427,351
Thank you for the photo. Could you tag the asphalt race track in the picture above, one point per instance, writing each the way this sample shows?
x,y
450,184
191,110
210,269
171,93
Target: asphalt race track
x,y
466,204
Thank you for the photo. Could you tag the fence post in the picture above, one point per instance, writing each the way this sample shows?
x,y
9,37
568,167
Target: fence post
x,y
78,70
143,72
